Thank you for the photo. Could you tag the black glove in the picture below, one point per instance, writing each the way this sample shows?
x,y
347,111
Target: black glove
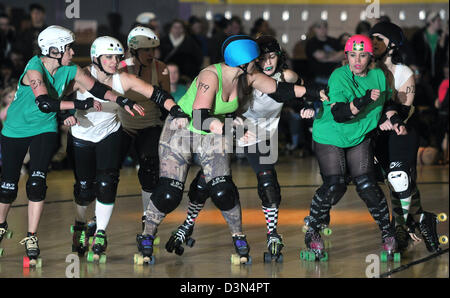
x,y
123,101
396,119
177,112
83,104
361,102
313,89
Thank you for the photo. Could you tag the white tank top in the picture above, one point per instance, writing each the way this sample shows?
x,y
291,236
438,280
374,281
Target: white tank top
x,y
402,74
96,125
152,113
264,113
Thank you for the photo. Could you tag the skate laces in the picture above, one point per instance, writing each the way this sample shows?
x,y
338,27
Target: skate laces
x,y
2,232
30,242
182,233
389,243
99,238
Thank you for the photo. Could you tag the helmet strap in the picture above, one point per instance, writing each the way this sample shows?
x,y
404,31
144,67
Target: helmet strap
x,y
244,67
99,65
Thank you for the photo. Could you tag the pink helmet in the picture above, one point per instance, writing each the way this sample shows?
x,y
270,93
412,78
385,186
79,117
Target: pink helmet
x,y
359,43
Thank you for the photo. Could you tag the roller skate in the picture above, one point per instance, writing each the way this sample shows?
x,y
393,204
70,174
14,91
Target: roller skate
x,y
389,252
4,233
402,238
145,248
243,249
323,228
32,251
99,244
274,246
427,226
157,239
180,236
79,243
91,228
314,247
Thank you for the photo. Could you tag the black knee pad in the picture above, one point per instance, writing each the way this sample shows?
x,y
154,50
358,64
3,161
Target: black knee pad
x,y
106,186
333,189
269,189
36,186
8,192
167,194
84,192
148,173
199,190
368,190
224,193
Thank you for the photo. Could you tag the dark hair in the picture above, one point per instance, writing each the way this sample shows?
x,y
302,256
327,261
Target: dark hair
x,y
37,6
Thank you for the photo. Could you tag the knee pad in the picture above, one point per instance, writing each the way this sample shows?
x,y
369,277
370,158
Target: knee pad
x,y
8,192
269,189
168,194
399,179
333,189
224,193
148,173
199,190
106,186
84,192
36,186
368,190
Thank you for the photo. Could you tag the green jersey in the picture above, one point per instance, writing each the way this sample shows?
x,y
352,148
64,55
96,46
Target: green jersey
x,y
220,107
24,118
345,87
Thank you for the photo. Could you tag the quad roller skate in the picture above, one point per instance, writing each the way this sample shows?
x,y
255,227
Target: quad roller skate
x,y
390,250
402,238
428,229
4,233
314,247
323,228
79,243
243,249
180,236
99,244
145,248
91,228
32,251
274,246
157,239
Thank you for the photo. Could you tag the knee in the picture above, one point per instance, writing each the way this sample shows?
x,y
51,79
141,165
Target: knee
x,y
333,189
224,193
84,192
368,190
148,173
269,189
8,192
399,178
167,195
198,191
106,186
36,186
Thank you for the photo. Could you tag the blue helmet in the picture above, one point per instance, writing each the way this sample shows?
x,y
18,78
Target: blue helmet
x,y
239,49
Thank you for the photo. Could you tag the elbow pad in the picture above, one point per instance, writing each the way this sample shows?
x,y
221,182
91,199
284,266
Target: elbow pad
x,y
99,90
341,112
201,119
159,96
46,104
285,91
313,90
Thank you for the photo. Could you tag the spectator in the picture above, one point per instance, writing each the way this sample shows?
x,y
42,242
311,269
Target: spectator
x,y
324,53
180,48
6,70
148,19
261,27
113,28
430,45
363,27
7,36
7,96
198,30
219,35
235,27
177,89
18,63
28,41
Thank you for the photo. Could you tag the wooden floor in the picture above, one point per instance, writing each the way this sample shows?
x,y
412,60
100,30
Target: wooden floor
x,y
355,235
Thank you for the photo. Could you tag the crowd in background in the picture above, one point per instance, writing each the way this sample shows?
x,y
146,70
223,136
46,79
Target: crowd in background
x,y
187,46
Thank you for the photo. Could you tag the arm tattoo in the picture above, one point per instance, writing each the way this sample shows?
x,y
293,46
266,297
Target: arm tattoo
x,y
35,83
410,89
202,86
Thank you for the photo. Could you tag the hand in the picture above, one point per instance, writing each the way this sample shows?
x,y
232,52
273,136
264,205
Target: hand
x,y
86,104
375,94
177,112
137,108
248,137
178,123
307,113
386,125
97,105
400,129
323,96
71,121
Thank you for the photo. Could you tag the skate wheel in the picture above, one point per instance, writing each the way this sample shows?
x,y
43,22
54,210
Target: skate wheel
x,y
442,217
304,228
8,234
2,251
302,255
138,259
156,241
324,257
235,259
397,257
311,256
179,250
102,259
383,256
90,256
190,242
267,257
327,231
71,229
443,239
280,258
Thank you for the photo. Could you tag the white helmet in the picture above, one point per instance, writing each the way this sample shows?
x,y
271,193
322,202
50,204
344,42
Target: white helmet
x,y
55,37
142,37
106,45
145,17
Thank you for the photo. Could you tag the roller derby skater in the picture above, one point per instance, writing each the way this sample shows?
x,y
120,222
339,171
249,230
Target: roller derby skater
x,y
397,154
342,135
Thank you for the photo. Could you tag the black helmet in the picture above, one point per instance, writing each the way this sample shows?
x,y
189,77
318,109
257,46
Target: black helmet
x,y
393,32
268,44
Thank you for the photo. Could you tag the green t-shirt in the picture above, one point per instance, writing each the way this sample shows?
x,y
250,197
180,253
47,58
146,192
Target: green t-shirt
x,y
220,107
24,118
432,40
181,90
344,87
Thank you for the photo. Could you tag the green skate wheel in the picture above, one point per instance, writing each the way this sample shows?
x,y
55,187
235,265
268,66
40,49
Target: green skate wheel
x,y
327,231
302,255
443,239
325,257
8,234
138,259
311,256
442,217
397,257
1,252
71,229
102,259
156,241
90,256
383,256
304,228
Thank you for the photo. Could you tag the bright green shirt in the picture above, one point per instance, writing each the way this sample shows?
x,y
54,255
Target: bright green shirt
x,y
344,87
220,107
24,118
432,40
